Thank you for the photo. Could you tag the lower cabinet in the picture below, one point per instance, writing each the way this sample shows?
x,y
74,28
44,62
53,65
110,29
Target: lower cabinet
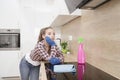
x,y
9,63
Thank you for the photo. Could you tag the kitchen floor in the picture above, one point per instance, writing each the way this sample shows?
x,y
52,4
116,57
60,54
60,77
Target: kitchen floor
x,y
17,78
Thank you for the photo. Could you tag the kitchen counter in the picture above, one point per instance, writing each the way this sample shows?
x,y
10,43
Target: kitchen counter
x,y
90,72
70,58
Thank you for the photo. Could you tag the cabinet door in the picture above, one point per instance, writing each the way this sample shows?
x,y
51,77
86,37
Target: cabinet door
x,y
9,63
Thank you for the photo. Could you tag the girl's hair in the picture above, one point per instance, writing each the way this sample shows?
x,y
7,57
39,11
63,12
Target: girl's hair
x,y
42,32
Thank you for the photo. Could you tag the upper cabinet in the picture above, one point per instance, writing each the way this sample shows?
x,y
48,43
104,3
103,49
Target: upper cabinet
x,y
63,19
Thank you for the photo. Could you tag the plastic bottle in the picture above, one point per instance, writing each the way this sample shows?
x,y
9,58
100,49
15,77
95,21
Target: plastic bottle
x,y
81,54
81,60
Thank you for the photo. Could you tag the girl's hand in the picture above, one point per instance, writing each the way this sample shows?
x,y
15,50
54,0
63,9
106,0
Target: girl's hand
x,y
50,41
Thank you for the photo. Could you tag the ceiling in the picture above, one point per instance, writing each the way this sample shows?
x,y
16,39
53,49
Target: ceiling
x,y
52,7
33,12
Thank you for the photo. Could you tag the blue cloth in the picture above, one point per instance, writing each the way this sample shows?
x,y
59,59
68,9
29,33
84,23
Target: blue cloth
x,y
50,41
64,68
54,61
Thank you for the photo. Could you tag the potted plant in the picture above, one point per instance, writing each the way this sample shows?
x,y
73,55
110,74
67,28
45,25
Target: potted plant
x,y
64,46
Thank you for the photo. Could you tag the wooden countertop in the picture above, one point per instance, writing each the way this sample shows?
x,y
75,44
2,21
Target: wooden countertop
x,y
43,75
70,58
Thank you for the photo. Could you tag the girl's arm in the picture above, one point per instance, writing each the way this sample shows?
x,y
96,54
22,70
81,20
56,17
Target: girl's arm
x,y
39,53
56,52
43,54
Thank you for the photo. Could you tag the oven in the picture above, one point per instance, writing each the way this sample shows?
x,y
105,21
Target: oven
x,y
9,39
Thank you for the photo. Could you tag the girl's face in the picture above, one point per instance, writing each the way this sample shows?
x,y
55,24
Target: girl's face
x,y
50,33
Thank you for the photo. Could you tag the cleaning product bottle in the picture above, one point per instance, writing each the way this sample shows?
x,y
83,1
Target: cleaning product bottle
x,y
81,54
81,60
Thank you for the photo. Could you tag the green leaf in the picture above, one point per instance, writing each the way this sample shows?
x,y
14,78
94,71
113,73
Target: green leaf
x,y
64,45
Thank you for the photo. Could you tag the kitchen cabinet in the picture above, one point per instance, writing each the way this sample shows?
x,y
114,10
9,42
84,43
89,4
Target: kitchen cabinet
x,y
61,20
9,63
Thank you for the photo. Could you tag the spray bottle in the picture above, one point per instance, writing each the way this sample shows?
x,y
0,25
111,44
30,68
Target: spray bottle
x,y
81,59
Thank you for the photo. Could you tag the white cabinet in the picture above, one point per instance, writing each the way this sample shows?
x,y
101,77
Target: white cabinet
x,y
9,63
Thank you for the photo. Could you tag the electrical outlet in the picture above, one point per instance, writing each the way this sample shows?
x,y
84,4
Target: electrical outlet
x,y
70,37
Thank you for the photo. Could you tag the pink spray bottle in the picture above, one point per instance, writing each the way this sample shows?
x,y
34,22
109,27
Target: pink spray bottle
x,y
81,60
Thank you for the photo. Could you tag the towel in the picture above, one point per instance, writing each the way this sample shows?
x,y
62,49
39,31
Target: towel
x,y
64,68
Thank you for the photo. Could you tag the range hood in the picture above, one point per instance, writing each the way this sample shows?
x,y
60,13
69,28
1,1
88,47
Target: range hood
x,y
72,5
91,4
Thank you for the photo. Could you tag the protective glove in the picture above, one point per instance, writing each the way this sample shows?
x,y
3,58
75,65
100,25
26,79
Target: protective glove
x,y
54,61
50,41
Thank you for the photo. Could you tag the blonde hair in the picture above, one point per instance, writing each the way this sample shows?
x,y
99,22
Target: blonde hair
x,y
42,32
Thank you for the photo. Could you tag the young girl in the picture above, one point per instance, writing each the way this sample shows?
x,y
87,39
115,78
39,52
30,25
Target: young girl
x,y
44,50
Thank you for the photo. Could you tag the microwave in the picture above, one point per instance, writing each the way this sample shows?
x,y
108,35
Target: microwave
x,y
9,39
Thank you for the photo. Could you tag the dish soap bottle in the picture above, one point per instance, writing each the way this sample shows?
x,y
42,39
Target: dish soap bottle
x,y
81,54
81,60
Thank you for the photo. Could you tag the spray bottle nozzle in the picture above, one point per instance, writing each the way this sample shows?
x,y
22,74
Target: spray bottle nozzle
x,y
80,39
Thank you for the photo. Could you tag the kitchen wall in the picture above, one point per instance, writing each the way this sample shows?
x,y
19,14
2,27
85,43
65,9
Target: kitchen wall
x,y
100,29
9,14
